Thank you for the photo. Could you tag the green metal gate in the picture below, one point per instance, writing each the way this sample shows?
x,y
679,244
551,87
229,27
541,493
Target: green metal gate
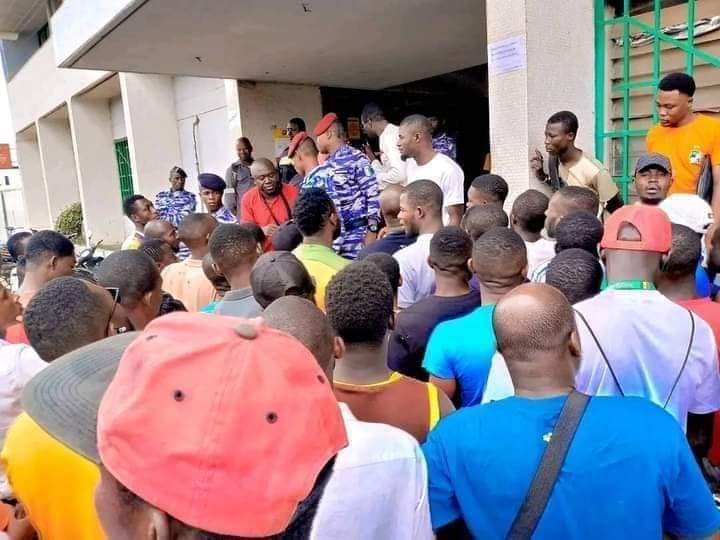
x,y
122,155
621,137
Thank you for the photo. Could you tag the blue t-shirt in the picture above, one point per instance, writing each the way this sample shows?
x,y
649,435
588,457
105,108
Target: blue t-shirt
x,y
462,349
629,472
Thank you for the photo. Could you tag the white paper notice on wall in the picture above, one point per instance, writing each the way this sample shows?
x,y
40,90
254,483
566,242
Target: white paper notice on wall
x,y
507,55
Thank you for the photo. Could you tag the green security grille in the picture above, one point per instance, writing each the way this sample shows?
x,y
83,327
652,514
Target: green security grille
x,y
624,136
122,155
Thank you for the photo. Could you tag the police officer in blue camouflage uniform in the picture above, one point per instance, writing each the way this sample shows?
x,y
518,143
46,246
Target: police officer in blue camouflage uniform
x,y
212,188
175,204
354,187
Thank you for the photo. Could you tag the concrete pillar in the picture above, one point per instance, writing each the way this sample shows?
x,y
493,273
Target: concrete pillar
x,y
265,106
556,72
97,170
149,107
58,162
37,206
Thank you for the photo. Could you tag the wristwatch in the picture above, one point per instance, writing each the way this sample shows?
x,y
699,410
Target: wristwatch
x,y
373,227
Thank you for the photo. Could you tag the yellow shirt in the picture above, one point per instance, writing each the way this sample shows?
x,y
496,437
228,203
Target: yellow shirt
x,y
686,147
55,484
322,263
132,242
588,172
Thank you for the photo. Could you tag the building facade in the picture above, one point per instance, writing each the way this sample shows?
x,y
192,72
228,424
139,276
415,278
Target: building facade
x,y
107,96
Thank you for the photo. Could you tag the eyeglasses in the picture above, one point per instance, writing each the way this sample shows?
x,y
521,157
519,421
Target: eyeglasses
x,y
263,177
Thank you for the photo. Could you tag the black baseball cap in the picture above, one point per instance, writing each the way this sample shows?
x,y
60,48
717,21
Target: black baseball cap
x,y
653,160
277,274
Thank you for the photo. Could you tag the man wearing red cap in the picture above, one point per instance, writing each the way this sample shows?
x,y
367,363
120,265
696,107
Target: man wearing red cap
x,y
636,341
355,188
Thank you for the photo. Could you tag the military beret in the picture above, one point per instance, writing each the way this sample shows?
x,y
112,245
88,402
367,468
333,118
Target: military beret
x,y
324,123
296,140
212,181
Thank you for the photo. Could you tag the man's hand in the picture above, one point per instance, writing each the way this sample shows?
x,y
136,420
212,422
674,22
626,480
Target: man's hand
x,y
269,230
370,237
368,152
537,166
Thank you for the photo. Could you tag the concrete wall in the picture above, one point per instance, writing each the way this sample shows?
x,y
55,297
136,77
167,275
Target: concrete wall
x,y
559,75
117,117
204,131
37,206
265,106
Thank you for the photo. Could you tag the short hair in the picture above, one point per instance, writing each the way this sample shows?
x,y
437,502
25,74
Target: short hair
x,y
681,82
304,321
576,273
450,249
359,303
194,226
581,229
567,119
256,230
313,208
499,253
372,111
389,266
529,210
45,244
338,127
129,204
246,142
425,194
307,147
232,246
155,248
298,122
13,243
179,171
131,271
493,185
581,198
480,219
685,252
419,122
63,316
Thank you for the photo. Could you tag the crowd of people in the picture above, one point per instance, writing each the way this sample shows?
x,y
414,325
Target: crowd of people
x,y
338,343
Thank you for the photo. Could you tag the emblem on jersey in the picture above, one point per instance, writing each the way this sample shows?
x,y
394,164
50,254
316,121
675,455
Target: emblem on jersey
x,y
547,437
696,156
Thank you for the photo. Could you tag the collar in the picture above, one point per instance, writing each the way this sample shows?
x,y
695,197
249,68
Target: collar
x,y
631,285
238,294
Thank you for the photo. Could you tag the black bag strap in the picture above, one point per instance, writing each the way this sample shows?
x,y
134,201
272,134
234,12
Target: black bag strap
x,y
602,352
556,183
548,471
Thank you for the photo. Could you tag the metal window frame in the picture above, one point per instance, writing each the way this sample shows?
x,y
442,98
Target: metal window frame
x,y
601,41
122,154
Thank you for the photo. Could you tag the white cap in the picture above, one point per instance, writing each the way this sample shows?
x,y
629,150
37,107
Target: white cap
x,y
689,210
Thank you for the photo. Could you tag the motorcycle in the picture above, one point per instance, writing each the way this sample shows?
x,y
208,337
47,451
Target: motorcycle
x,y
87,262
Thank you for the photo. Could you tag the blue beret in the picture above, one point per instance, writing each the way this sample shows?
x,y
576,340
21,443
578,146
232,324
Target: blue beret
x,y
212,181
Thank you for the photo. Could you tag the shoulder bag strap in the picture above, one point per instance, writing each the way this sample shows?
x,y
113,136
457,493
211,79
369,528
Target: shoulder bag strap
x,y
602,352
687,355
556,183
548,471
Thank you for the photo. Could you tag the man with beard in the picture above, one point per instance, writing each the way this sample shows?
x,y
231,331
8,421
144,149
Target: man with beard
x,y
570,166
653,178
318,221
269,204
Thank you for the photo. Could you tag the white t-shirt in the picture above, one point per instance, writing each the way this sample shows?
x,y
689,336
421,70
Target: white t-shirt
x,y
378,488
18,364
445,173
418,279
645,337
391,170
539,253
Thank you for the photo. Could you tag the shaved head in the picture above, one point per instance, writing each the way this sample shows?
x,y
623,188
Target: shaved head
x,y
390,204
195,229
160,229
307,148
308,324
532,317
261,166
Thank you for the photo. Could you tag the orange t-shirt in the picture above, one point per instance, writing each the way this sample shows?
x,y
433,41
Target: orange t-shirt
x,y
686,147
187,282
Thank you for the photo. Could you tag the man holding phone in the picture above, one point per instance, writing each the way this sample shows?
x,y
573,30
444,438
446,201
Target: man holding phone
x,y
389,167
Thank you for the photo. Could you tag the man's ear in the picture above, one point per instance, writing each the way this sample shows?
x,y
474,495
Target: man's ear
x,y
52,263
471,266
338,347
147,298
575,349
158,524
217,270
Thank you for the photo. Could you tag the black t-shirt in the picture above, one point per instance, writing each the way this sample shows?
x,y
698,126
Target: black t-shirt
x,y
389,244
415,324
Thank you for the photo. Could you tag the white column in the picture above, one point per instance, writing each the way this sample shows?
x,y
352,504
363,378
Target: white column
x,y
97,170
557,74
58,163
37,208
149,107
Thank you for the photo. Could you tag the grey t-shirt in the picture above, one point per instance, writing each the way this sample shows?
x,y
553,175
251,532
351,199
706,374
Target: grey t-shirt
x,y
239,303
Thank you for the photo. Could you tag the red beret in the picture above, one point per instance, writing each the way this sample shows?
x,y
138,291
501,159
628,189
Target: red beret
x,y
296,140
323,125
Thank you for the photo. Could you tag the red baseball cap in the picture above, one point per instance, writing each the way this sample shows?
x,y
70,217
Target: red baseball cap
x,y
651,222
223,423
324,123
296,140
